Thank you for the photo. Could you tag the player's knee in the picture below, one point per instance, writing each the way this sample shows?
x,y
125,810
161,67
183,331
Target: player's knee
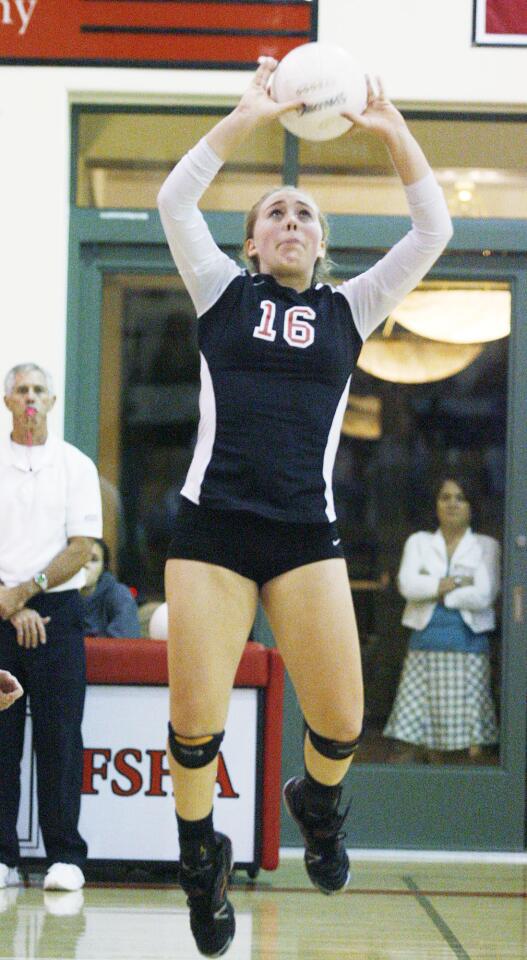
x,y
340,748
194,752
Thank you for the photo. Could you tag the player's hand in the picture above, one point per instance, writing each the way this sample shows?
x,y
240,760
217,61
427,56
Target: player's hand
x,y
10,689
30,628
380,117
257,100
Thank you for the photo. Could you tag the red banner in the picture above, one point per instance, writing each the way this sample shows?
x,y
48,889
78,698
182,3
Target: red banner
x,y
500,22
153,33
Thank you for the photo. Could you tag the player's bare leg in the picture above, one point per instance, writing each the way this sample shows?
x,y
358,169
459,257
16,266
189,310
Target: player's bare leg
x,y
211,612
311,614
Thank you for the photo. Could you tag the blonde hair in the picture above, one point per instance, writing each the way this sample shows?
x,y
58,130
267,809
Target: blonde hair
x,y
322,268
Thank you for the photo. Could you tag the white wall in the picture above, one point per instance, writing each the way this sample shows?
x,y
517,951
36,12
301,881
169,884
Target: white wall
x,y
422,48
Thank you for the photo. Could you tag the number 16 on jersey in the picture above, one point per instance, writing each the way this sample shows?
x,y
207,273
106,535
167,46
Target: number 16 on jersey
x,y
297,331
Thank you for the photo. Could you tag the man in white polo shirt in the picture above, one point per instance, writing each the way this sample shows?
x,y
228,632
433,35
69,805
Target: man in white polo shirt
x,y
50,512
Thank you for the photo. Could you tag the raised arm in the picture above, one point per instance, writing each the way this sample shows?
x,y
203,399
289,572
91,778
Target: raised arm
x,y
385,121
205,270
375,293
255,108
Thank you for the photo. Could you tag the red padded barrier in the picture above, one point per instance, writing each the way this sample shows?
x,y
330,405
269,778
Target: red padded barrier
x,y
115,660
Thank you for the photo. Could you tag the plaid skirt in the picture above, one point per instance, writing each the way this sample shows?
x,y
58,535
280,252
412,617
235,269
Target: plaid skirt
x,y
444,701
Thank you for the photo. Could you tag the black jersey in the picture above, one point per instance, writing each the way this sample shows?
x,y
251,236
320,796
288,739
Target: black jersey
x,y
276,367
276,364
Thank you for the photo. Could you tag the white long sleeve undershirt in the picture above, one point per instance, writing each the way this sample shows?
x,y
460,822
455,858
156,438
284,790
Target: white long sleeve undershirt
x,y
207,271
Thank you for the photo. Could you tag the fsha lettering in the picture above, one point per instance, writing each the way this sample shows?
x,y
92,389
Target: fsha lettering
x,y
137,772
17,13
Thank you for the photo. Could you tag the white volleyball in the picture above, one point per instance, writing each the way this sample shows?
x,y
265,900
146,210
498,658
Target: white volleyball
x,y
328,80
158,626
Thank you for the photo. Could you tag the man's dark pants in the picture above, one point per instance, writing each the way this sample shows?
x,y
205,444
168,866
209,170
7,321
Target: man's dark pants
x,y
54,677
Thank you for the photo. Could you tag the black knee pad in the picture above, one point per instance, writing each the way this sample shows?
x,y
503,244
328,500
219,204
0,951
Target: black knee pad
x,y
194,752
333,749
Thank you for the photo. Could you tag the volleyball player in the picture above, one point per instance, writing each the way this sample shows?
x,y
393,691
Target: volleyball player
x,y
257,518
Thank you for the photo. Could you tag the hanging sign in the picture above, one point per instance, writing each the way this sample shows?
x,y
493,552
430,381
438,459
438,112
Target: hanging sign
x,y
500,23
226,34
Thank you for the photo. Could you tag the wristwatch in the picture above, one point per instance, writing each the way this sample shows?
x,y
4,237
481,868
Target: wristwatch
x,y
41,581
458,581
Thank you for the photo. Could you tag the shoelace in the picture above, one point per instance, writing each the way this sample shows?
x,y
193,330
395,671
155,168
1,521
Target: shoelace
x,y
339,820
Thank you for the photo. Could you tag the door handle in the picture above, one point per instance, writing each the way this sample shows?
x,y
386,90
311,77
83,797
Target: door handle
x,y
517,604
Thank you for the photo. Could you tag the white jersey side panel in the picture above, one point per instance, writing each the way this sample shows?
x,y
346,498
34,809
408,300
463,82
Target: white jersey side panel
x,y
206,435
331,452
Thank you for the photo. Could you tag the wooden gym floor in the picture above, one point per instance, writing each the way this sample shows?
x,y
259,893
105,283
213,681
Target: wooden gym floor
x,y
393,910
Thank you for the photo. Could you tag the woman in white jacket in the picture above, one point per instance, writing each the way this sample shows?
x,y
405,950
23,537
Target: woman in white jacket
x,y
450,580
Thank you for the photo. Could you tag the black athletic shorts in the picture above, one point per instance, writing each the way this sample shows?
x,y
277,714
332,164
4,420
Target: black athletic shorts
x,y
253,546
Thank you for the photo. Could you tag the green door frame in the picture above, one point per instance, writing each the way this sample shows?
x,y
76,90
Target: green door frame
x,y
393,806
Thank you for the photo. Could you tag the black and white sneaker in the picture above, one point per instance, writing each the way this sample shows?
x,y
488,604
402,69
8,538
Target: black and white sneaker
x,y
211,913
325,858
